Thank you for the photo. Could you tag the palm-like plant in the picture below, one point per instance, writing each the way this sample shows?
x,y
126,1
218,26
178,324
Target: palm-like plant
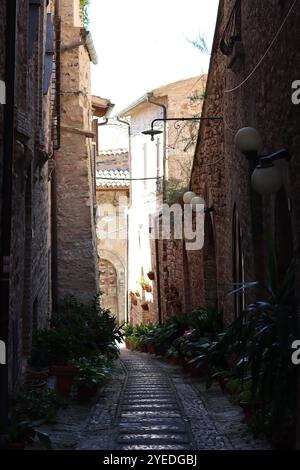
x,y
262,337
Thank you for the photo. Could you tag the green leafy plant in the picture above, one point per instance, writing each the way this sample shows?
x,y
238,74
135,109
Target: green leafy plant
x,y
35,404
84,6
93,372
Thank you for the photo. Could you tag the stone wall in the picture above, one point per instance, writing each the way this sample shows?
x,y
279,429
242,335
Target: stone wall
x,y
222,175
77,271
30,241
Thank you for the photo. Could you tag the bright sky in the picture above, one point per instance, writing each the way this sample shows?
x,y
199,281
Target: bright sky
x,y
141,44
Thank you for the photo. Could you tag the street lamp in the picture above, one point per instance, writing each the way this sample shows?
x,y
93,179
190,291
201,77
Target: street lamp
x,y
266,177
152,132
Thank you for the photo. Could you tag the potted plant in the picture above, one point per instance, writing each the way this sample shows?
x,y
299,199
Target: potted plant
x,y
21,433
148,288
55,347
92,373
144,305
145,285
133,299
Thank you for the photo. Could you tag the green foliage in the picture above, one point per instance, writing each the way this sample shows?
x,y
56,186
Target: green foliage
x,y
175,189
84,6
128,330
93,372
35,404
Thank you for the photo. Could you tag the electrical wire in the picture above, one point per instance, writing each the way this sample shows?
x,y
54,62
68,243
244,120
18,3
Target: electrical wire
x,y
265,54
129,179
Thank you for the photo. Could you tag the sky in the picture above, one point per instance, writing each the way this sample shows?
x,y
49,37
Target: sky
x,y
143,44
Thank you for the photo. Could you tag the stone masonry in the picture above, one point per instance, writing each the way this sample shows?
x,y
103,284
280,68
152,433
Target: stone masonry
x,y
222,175
33,145
77,267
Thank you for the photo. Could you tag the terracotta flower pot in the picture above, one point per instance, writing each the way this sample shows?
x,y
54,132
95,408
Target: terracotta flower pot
x,y
148,288
134,301
144,305
37,374
151,275
36,384
64,378
127,343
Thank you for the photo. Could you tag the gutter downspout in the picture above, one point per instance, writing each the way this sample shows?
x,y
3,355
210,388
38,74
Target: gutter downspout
x,y
8,153
164,108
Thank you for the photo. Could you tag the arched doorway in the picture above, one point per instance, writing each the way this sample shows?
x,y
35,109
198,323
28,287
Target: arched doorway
x,y
210,265
109,286
115,275
238,267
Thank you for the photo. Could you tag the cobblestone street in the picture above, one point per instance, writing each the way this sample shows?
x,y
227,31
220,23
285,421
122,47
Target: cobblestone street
x,y
150,404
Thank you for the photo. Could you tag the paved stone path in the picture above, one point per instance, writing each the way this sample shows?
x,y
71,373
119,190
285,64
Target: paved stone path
x,y
150,414
150,404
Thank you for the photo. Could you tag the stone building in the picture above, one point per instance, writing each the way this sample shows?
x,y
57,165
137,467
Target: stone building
x,y
47,171
27,51
76,268
158,167
113,185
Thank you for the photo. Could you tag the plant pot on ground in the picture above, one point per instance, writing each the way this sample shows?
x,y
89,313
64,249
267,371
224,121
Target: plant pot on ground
x,y
37,375
92,372
64,375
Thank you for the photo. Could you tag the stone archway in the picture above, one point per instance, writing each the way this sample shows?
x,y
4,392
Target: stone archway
x,y
115,276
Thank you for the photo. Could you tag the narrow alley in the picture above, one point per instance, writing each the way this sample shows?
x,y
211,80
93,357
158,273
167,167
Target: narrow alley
x,y
150,404
149,228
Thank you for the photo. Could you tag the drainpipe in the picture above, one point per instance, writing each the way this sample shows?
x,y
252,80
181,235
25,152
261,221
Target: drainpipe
x,y
5,248
164,108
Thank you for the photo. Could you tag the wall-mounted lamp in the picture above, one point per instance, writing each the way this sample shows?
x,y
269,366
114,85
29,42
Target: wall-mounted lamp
x,y
266,178
152,132
197,202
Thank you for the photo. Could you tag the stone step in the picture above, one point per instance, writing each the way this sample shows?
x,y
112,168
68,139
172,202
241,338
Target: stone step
x,y
151,428
150,406
150,414
134,401
155,438
168,447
